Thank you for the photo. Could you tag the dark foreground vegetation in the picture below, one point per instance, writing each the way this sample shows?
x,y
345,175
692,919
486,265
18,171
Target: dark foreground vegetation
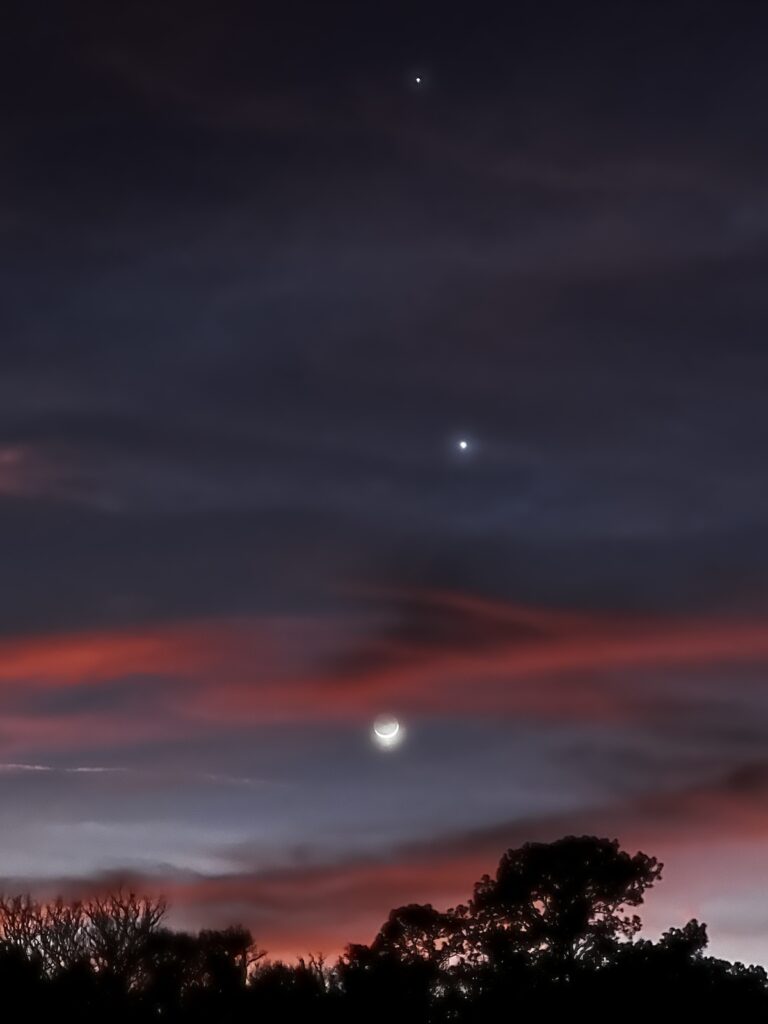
x,y
553,932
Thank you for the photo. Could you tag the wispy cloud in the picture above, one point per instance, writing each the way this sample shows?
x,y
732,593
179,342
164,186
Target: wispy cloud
x,y
215,778
77,770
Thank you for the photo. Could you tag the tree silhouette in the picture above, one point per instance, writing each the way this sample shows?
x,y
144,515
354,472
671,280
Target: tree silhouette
x,y
415,933
553,933
118,928
53,934
559,904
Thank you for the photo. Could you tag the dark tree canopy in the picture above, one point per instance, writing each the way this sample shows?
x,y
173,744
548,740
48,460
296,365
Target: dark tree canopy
x,y
564,901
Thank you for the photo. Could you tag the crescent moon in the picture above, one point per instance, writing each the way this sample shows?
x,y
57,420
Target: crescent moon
x,y
387,730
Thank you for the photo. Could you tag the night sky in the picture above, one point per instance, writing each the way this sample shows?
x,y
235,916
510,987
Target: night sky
x,y
257,284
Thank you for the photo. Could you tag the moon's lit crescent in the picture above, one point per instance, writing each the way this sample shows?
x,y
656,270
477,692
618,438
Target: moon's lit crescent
x,y
387,731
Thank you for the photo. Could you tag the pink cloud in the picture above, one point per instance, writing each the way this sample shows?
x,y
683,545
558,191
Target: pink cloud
x,y
480,657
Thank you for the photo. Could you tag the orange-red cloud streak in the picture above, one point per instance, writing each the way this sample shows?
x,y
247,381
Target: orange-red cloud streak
x,y
515,661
